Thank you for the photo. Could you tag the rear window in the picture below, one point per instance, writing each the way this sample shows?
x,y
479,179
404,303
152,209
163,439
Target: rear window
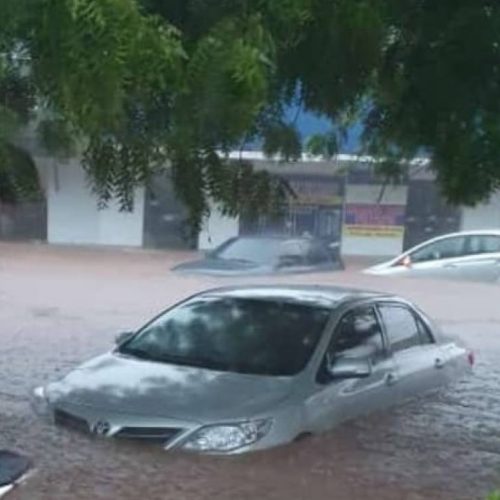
x,y
483,244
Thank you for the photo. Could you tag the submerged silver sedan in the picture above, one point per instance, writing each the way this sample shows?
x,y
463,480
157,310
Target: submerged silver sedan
x,y
238,369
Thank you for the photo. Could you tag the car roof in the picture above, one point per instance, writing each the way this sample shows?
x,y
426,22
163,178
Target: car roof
x,y
277,237
475,232
324,296
495,232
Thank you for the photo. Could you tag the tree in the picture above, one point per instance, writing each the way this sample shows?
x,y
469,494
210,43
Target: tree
x,y
140,84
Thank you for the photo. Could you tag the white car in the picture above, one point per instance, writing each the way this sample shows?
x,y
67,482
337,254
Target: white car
x,y
471,255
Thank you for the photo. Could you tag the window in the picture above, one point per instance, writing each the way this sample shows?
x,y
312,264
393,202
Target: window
x,y
401,326
483,244
425,334
261,337
358,335
442,249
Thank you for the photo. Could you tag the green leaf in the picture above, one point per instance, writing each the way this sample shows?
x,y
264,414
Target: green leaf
x,y
284,141
322,145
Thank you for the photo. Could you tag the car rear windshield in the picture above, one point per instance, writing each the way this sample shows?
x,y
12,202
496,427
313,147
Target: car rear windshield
x,y
261,337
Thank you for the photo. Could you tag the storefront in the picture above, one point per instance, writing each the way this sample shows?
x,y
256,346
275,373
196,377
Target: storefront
x,y
316,209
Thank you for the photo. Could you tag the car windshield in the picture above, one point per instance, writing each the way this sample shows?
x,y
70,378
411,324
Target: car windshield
x,y
261,337
258,250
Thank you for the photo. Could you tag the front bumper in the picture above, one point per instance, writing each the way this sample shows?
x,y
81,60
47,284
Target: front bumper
x,y
164,432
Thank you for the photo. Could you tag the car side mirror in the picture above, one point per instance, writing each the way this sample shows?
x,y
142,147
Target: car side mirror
x,y
405,261
343,368
122,337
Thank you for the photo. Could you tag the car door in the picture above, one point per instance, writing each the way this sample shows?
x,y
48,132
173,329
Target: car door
x,y
438,258
482,259
358,334
419,360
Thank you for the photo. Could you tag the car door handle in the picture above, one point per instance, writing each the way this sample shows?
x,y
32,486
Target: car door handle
x,y
391,378
439,363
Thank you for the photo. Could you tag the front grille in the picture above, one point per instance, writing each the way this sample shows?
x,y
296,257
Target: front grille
x,y
69,421
150,434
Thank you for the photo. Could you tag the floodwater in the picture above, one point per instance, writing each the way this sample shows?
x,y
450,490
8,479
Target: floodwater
x,y
60,306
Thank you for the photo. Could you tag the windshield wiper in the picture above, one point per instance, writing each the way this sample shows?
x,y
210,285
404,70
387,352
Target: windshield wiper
x,y
197,362
136,353
175,359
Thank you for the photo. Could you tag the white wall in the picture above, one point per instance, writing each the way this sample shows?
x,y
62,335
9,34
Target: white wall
x,y
383,245
485,216
73,216
216,229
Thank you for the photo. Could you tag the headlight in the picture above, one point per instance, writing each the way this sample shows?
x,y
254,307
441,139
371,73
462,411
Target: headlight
x,y
39,401
227,437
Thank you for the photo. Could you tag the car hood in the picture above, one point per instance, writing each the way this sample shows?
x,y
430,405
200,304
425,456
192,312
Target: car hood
x,y
127,385
381,267
221,267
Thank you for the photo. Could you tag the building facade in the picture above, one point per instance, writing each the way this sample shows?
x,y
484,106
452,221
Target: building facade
x,y
340,200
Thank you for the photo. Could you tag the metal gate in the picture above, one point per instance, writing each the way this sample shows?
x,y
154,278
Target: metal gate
x,y
23,221
427,214
165,217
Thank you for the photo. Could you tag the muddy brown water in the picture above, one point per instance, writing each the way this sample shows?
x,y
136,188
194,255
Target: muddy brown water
x,y
60,306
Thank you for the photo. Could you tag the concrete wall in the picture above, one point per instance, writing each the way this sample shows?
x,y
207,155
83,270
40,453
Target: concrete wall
x,y
73,216
485,216
383,241
217,229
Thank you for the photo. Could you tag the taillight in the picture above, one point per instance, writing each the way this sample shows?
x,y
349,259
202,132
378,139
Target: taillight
x,y
471,358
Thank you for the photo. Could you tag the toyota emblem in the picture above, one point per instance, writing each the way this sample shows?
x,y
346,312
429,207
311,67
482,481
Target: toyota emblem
x,y
101,428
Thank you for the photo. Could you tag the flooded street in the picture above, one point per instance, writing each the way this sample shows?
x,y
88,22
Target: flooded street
x,y
60,306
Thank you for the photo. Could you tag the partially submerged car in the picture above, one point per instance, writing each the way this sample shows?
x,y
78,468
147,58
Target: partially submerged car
x,y
249,255
472,255
239,369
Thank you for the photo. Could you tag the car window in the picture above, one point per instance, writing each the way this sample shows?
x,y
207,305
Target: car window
x,y
425,334
358,334
261,337
483,244
442,249
401,326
